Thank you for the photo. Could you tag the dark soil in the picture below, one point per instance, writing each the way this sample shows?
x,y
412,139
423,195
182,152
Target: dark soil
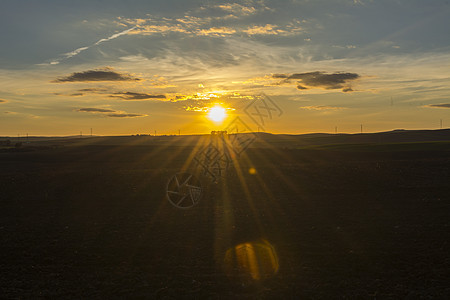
x,y
94,222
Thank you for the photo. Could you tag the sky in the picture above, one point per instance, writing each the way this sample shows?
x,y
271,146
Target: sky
x,y
140,67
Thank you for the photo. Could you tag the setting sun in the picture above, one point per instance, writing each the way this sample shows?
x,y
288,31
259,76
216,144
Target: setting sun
x,y
217,113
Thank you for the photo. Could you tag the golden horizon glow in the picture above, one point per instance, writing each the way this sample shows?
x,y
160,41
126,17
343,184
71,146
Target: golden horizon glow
x,y
217,113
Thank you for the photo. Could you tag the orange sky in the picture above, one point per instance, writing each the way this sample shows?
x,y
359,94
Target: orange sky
x,y
129,69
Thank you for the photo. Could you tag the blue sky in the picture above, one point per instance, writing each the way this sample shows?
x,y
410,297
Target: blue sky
x,y
126,67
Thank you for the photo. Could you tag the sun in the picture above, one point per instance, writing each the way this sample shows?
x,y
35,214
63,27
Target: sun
x,y
217,113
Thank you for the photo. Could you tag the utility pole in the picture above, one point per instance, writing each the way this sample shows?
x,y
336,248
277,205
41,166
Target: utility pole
x,y
441,123
335,129
361,128
91,131
179,131
155,132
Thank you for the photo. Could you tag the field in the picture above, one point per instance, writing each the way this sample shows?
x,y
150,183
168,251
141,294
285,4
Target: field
x,y
91,220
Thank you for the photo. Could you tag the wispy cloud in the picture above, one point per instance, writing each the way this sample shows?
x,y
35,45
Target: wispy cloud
x,y
203,22
217,31
238,9
93,90
104,74
442,105
193,29
200,96
81,49
150,29
268,29
95,110
111,93
322,107
22,114
125,115
114,36
110,113
318,79
3,101
137,96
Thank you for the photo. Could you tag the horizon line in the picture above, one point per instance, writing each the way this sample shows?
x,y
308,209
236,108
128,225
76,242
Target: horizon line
x,y
25,136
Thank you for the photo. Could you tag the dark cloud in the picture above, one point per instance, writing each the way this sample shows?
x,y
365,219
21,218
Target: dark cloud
x,y
94,110
92,90
105,74
338,80
280,76
137,96
109,112
3,101
76,94
347,89
125,115
443,105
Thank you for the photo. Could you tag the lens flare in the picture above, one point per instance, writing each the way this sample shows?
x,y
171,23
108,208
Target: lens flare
x,y
251,262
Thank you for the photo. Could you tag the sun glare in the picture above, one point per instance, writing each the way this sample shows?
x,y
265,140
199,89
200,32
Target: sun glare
x,y
217,113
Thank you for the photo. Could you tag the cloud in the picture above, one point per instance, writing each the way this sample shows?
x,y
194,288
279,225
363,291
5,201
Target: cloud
x,y
110,113
267,29
21,114
196,108
104,74
238,9
304,81
199,30
125,115
114,36
199,96
235,10
203,108
322,107
137,96
280,76
95,110
81,49
73,53
92,90
443,105
217,31
3,101
151,29
206,24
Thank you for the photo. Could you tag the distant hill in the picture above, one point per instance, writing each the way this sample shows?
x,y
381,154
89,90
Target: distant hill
x,y
318,139
313,140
